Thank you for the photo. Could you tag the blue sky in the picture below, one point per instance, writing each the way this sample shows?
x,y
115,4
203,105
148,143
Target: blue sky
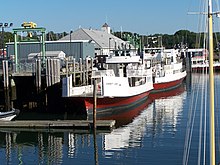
x,y
140,16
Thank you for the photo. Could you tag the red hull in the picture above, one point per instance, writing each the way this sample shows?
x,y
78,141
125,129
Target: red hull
x,y
161,87
113,106
179,89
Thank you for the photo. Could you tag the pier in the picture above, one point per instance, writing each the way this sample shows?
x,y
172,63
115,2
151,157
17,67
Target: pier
x,y
104,125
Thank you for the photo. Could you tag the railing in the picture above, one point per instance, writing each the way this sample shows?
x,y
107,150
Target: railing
x,y
24,68
100,73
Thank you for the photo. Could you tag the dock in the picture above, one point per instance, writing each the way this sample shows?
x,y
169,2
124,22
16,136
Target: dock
x,y
70,125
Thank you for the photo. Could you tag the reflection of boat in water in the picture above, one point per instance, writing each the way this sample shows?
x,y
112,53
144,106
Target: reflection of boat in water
x,y
163,112
9,115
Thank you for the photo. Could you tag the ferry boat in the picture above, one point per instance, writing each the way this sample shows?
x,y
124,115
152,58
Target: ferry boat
x,y
123,83
168,68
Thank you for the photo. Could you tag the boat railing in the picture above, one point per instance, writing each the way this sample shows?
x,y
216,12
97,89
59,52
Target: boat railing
x,y
101,73
137,72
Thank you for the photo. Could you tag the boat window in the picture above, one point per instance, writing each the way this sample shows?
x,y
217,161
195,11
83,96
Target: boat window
x,y
148,64
136,81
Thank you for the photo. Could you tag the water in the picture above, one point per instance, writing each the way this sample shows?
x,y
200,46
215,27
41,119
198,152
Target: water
x,y
155,136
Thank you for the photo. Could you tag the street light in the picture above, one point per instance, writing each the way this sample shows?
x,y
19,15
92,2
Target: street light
x,y
70,42
109,45
3,26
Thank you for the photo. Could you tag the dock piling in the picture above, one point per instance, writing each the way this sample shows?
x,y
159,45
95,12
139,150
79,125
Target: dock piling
x,y
38,74
74,72
94,103
5,73
81,71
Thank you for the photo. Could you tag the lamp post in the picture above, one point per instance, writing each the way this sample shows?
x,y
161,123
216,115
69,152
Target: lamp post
x,y
109,44
3,26
70,42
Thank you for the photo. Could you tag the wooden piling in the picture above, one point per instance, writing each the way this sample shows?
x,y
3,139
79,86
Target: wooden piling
x,y
6,84
52,75
38,74
91,68
87,71
5,74
81,71
57,70
48,73
94,102
74,72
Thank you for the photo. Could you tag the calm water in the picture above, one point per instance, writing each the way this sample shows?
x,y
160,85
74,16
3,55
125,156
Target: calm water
x,y
155,136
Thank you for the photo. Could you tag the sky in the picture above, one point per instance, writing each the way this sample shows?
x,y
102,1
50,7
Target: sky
x,y
138,16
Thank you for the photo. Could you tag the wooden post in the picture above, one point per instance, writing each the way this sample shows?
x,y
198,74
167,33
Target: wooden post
x,y
92,60
52,71
6,84
13,92
48,72
38,74
58,71
74,72
87,71
7,99
94,120
80,70
95,147
5,74
94,102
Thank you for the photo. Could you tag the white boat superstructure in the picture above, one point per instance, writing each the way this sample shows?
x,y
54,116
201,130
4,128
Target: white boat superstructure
x,y
123,76
121,81
168,67
199,59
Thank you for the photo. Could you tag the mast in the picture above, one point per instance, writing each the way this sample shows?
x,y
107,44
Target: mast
x,y
211,86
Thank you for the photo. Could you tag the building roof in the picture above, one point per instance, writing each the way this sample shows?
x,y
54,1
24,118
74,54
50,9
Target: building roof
x,y
105,25
102,39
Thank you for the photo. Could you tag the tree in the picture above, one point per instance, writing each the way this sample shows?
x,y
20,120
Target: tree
x,y
8,37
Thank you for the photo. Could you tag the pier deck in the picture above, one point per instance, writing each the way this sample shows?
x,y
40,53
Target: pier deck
x,y
58,124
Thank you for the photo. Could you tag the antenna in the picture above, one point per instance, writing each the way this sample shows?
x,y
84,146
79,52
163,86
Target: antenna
x,y
106,19
121,31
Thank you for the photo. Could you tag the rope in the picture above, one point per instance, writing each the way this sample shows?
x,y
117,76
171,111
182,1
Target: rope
x,y
201,119
190,124
205,121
